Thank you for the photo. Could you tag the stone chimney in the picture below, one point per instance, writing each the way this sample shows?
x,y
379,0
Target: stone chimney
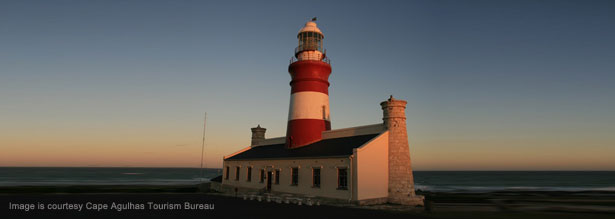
x,y
258,134
401,181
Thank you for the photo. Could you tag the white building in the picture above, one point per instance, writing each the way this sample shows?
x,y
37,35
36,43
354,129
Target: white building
x,y
365,165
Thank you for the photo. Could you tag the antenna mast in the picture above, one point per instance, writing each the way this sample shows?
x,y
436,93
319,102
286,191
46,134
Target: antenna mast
x,y
203,145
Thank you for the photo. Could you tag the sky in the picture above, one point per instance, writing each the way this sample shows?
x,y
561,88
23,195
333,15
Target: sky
x,y
490,85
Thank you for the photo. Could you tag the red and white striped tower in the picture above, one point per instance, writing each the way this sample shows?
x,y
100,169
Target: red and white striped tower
x,y
308,115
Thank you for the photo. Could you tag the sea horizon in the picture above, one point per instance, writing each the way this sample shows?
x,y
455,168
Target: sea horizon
x,y
425,180
437,170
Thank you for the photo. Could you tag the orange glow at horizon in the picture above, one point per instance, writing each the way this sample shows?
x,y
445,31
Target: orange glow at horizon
x,y
55,148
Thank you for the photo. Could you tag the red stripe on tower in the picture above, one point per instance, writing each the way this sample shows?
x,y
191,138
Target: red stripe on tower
x,y
308,115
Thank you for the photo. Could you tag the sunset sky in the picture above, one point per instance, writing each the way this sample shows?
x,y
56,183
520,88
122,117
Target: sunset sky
x,y
490,85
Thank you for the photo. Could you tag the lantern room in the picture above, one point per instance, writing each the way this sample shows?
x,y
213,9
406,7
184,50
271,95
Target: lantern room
x,y
310,43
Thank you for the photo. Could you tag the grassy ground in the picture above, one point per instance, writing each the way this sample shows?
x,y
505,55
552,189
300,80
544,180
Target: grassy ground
x,y
521,204
498,205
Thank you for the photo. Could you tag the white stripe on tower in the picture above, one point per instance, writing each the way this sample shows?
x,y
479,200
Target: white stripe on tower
x,y
309,105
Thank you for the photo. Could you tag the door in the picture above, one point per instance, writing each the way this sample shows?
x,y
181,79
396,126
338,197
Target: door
x,y
269,176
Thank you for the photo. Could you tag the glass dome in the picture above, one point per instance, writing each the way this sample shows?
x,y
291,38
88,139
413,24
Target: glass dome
x,y
309,41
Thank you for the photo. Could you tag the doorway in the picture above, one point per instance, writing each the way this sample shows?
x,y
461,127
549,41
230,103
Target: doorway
x,y
269,176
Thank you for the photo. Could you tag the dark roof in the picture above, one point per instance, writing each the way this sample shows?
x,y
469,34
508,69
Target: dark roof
x,y
334,147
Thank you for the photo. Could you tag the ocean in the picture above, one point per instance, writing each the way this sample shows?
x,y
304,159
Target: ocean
x,y
437,181
15,176
489,181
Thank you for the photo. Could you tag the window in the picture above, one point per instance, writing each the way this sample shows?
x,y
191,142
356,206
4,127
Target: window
x,y
342,178
294,176
249,174
262,175
277,176
237,173
227,173
316,177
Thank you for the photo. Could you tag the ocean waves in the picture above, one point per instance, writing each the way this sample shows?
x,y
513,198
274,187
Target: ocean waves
x,y
432,188
50,176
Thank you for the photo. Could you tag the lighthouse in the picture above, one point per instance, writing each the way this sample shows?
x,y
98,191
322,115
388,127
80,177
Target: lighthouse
x,y
308,114
367,164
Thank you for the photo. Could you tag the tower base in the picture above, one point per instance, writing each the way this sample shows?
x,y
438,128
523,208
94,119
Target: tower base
x,y
415,200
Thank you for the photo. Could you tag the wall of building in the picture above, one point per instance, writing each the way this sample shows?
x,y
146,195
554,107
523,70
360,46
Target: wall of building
x,y
372,164
270,141
354,131
328,176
